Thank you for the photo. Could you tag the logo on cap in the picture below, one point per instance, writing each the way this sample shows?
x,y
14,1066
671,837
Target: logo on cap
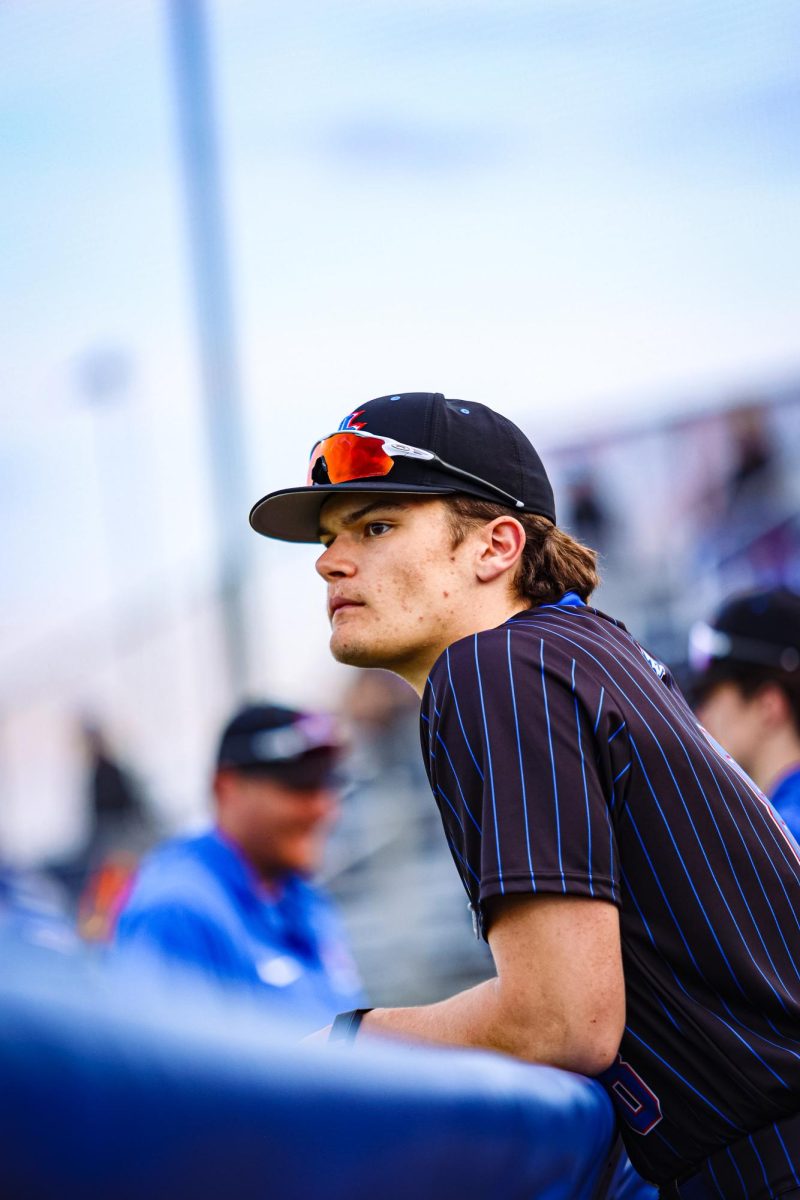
x,y
311,732
350,421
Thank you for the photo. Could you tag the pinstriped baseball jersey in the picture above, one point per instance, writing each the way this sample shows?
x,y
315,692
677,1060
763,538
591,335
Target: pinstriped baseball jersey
x,y
564,760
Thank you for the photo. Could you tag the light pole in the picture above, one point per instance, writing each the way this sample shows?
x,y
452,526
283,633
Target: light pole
x,y
215,321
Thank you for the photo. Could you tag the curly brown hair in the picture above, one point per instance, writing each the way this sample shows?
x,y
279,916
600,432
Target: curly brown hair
x,y
552,561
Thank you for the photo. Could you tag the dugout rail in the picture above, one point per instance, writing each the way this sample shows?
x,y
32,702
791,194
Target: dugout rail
x,y
109,1089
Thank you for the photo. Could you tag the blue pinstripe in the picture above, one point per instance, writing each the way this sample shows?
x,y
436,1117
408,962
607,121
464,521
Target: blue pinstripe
x,y
491,771
467,808
463,860
670,1017
436,709
686,1083
611,852
430,739
458,713
451,806
519,752
658,1132
789,1160
760,1162
599,709
714,1177
660,887
738,1172
552,764
585,785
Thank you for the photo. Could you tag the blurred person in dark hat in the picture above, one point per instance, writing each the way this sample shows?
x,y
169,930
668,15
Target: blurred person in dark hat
x,y
746,689
236,902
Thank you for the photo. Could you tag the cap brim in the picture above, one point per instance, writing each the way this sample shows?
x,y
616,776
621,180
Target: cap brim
x,y
293,515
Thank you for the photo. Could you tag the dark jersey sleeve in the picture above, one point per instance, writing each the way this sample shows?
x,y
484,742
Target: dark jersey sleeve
x,y
513,763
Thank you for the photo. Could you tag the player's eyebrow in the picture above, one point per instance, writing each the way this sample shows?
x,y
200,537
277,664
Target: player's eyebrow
x,y
354,517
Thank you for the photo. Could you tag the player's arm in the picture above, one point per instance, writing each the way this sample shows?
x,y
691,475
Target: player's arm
x,y
559,995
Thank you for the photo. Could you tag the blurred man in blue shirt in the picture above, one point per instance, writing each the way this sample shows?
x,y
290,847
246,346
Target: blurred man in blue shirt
x,y
236,902
747,690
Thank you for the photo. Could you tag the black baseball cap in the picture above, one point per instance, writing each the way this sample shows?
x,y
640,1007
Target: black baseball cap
x,y
759,628
299,749
499,460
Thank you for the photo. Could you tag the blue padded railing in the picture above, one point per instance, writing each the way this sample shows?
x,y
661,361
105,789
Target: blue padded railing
x,y
112,1090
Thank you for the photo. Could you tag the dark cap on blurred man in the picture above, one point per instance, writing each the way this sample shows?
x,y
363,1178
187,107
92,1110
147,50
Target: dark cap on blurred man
x,y
297,749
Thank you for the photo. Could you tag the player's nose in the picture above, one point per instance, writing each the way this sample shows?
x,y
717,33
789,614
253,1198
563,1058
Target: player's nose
x,y
324,805
335,563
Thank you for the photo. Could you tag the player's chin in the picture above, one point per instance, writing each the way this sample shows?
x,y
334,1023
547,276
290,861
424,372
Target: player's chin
x,y
306,858
353,652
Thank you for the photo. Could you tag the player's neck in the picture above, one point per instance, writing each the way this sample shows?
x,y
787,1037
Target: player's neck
x,y
492,612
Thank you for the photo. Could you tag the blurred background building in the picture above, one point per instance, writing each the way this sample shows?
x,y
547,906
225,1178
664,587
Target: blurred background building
x,y
228,222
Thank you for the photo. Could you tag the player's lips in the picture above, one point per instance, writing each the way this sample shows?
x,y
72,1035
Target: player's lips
x,y
338,603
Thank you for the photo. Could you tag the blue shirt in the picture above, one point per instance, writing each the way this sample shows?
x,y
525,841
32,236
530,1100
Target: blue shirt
x,y
197,901
786,799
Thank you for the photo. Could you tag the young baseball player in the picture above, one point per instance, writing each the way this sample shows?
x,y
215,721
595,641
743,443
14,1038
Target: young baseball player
x,y
640,897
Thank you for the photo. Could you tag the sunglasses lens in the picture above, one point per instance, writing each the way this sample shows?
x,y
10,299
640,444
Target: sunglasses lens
x,y
316,455
348,457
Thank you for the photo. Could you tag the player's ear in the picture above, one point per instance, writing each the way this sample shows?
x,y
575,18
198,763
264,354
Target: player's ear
x,y
500,547
773,705
223,786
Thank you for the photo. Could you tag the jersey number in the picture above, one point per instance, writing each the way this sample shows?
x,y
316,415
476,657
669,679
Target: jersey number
x,y
635,1103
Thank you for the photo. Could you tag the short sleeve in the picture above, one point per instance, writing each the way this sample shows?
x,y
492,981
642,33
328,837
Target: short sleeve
x,y
512,761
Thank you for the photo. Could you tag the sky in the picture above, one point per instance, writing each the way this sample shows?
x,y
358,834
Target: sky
x,y
582,212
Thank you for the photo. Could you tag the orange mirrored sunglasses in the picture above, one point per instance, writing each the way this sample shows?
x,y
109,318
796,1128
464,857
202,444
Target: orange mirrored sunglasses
x,y
352,454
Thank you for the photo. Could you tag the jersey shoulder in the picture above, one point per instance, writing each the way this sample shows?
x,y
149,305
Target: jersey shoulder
x,y
177,874
541,635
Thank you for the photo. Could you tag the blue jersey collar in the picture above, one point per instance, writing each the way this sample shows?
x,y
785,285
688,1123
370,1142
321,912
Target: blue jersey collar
x,y
569,600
